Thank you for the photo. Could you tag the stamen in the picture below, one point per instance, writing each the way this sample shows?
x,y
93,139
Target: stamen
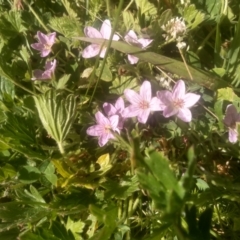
x,y
178,103
144,105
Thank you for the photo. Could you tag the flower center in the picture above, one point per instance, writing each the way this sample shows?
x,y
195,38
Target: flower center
x,y
107,128
178,103
47,47
144,105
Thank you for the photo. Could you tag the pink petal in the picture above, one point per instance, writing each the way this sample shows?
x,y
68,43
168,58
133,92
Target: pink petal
x,y
51,38
103,139
116,37
47,75
37,74
51,65
232,135
143,115
119,105
169,111
132,96
185,114
231,115
42,37
109,109
179,90
146,91
101,119
37,46
92,32
190,99
165,97
144,42
45,52
132,59
131,37
95,130
156,104
131,111
114,122
103,52
106,29
91,51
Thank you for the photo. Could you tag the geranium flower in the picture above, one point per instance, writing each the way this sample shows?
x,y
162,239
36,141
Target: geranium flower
x,y
141,104
230,120
94,49
132,38
45,43
103,128
116,109
177,102
50,67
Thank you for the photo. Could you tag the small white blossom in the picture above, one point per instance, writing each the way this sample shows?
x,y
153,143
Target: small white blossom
x,y
174,28
181,45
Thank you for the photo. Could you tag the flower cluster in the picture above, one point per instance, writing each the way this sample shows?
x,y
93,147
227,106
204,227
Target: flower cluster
x,y
175,30
230,120
94,49
44,46
105,32
141,105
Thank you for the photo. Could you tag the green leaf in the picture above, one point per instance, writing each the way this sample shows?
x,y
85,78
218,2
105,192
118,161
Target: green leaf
x,y
29,174
57,114
49,173
128,20
68,26
193,16
120,83
61,232
201,77
146,7
159,167
61,84
68,8
11,24
201,184
108,216
34,195
75,227
106,74
7,90
125,188
165,17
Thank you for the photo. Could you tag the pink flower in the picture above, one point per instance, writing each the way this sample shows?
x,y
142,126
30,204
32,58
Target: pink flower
x,y
45,43
94,49
116,109
132,38
103,128
141,104
47,73
177,102
230,120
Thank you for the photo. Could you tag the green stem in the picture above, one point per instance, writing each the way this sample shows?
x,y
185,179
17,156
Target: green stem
x,y
128,6
108,45
20,86
108,8
60,147
36,16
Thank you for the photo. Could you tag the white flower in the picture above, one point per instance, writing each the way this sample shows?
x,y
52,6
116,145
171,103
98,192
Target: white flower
x,y
181,45
174,28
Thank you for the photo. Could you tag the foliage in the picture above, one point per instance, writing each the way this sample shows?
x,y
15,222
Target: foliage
x,y
166,179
